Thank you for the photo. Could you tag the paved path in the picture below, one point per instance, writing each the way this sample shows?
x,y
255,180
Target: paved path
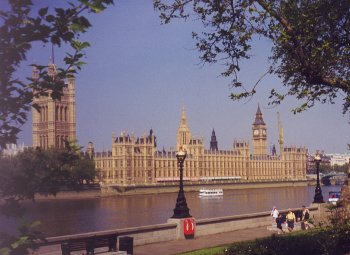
x,y
180,246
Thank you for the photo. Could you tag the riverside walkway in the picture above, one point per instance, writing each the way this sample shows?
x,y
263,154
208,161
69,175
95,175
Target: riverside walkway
x,y
181,246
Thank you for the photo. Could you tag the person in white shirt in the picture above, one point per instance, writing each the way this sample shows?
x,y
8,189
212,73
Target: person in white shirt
x,y
274,214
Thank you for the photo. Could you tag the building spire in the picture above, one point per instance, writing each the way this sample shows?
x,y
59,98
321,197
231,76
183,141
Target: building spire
x,y
213,141
183,116
280,133
52,54
258,117
183,133
52,70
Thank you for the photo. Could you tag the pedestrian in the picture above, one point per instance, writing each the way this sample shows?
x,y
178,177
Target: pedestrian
x,y
274,214
305,216
290,220
279,222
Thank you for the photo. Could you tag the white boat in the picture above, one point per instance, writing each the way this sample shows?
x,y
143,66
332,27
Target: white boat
x,y
211,192
333,197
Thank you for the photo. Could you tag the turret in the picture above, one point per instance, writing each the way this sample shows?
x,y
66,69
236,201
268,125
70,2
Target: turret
x,y
90,150
213,142
280,134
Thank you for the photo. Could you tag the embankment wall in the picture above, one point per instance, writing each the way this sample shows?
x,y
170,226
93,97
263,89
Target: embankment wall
x,y
174,229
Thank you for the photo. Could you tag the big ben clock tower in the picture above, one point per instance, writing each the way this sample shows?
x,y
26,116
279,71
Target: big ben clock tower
x,y
259,134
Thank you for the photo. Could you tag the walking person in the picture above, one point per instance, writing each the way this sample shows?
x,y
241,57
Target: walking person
x,y
274,214
290,220
279,222
305,216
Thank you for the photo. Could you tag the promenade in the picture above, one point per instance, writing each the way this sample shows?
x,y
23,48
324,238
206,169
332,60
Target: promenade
x,y
181,246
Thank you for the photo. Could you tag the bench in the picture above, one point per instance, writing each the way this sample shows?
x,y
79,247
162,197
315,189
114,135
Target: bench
x,y
89,244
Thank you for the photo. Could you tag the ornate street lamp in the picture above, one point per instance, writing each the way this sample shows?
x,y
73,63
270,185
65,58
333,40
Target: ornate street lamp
x,y
181,210
318,198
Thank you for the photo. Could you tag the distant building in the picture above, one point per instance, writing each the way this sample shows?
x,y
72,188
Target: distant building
x,y
311,164
13,149
136,160
54,122
339,159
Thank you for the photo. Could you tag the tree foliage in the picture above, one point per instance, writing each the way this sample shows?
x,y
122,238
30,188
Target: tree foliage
x,y
20,26
310,43
26,241
325,168
37,171
32,172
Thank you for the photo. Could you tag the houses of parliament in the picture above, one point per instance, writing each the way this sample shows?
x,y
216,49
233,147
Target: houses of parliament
x,y
137,161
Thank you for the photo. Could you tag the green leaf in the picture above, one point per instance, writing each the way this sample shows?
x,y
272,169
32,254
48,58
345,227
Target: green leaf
x,y
50,18
35,224
5,251
22,240
43,11
77,27
56,40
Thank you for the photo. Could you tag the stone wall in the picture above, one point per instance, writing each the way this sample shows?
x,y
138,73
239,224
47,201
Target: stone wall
x,y
174,228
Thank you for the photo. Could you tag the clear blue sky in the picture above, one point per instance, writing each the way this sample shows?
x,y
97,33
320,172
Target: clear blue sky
x,y
140,73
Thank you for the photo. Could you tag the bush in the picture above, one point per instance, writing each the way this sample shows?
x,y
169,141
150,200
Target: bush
x,y
329,240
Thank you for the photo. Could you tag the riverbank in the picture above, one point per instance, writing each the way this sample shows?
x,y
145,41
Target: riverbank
x,y
116,190
194,186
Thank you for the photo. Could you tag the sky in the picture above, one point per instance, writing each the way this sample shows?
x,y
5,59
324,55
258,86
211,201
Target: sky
x,y
139,75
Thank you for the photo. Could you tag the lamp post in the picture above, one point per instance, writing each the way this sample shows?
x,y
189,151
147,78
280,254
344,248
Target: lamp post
x,y
318,198
181,210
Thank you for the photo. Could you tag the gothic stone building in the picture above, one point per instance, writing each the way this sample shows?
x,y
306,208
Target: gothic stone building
x,y
54,122
137,161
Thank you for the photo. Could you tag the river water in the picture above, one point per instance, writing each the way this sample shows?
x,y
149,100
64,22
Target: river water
x,y
63,217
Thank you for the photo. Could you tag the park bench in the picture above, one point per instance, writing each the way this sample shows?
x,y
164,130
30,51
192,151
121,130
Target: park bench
x,y
89,244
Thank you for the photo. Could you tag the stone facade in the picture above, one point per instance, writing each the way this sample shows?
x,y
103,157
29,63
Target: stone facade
x,y
54,122
136,160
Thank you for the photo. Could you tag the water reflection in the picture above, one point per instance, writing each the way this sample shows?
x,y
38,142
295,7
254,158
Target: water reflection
x,y
61,217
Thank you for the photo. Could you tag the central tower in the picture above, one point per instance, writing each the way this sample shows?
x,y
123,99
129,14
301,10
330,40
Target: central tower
x,y
259,134
183,132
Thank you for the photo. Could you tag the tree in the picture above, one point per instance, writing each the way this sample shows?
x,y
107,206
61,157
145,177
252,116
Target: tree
x,y
310,43
37,171
33,172
21,26
325,168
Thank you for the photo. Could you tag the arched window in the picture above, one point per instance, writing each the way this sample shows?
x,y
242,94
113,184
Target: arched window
x,y
65,114
61,114
62,142
41,114
56,113
46,117
47,142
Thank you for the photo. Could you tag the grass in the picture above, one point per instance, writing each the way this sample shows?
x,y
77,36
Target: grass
x,y
220,250
208,251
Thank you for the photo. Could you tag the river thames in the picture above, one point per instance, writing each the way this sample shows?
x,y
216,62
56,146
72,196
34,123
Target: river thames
x,y
65,216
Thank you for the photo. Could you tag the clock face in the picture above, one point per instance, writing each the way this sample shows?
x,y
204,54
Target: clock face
x,y
256,132
264,132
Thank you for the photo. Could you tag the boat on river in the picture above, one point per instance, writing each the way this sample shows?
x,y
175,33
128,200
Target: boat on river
x,y
333,197
211,192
